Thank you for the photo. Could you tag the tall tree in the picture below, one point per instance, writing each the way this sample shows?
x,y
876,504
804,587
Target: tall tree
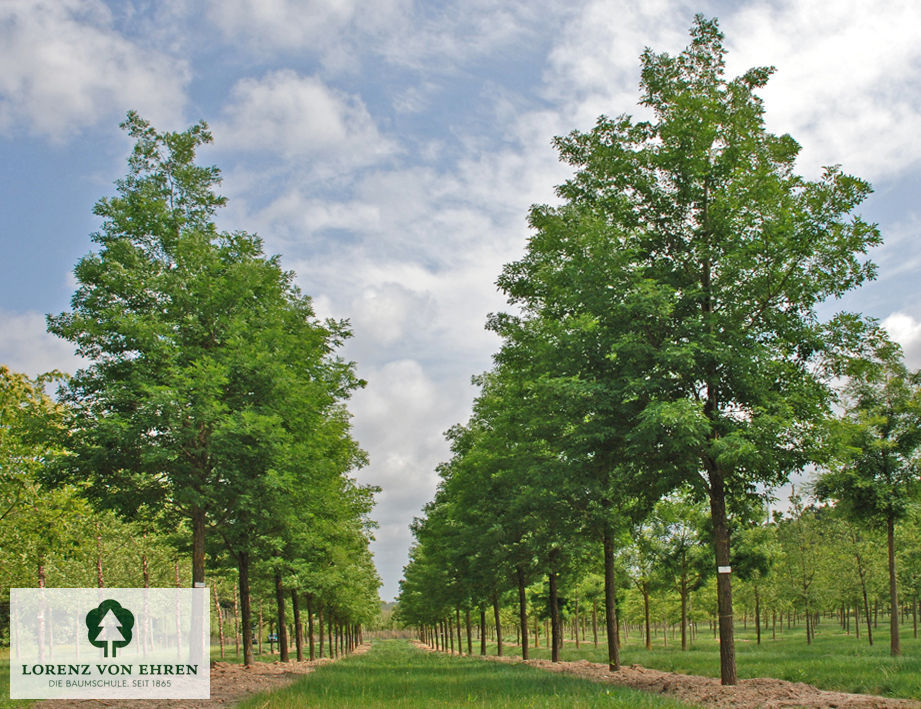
x,y
722,253
197,344
877,479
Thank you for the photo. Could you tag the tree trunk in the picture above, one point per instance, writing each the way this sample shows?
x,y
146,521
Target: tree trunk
x,y
522,612
321,627
246,622
482,631
310,625
684,613
595,620
220,620
495,610
610,610
198,547
644,588
723,581
554,620
236,623
757,616
895,648
469,632
282,630
298,636
866,612
914,615
460,644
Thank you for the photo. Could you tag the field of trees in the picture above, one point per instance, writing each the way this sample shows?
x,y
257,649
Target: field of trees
x,y
663,368
210,424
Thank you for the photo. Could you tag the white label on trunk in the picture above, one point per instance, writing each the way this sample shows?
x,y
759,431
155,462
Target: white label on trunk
x,y
724,569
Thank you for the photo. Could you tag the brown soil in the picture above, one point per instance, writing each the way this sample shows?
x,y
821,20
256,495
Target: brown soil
x,y
707,691
230,684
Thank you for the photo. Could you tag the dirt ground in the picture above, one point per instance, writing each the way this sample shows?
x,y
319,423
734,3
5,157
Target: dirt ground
x,y
230,684
707,691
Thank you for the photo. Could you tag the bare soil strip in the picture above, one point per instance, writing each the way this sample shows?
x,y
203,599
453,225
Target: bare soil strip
x,y
230,684
761,693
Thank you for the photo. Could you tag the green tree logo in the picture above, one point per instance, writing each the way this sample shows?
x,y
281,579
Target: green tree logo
x,y
109,626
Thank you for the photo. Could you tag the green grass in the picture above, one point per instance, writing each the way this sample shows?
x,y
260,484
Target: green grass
x,y
396,675
834,661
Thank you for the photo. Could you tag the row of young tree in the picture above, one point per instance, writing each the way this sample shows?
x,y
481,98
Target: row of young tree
x,y
211,415
810,564
665,341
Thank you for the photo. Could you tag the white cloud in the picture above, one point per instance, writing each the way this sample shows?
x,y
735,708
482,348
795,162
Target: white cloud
x,y
65,67
330,28
906,330
846,86
399,419
26,346
299,117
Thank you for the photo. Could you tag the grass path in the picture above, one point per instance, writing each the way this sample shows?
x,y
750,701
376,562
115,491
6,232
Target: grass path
x,y
395,674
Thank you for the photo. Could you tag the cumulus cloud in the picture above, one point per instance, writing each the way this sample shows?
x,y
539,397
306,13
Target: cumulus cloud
x,y
66,67
298,117
26,346
399,419
845,86
906,330
339,31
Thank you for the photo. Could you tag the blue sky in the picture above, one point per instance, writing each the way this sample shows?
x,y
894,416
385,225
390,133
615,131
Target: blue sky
x,y
389,152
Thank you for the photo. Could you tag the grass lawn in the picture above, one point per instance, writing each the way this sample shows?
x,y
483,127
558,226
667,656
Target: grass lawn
x,y
394,674
834,661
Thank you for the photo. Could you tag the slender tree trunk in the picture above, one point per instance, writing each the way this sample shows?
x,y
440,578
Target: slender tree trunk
x,y
522,612
236,623
644,589
684,613
575,623
246,621
595,620
610,609
757,616
198,547
282,630
310,625
554,620
260,627
723,581
460,644
482,631
866,612
298,636
320,626
895,648
469,632
495,610
914,615
220,620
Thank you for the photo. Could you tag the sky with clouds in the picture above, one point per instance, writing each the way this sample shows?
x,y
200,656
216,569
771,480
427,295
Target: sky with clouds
x,y
389,151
